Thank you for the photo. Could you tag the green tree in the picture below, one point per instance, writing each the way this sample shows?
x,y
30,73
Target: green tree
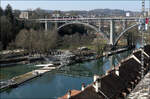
x,y
5,31
1,12
99,44
8,13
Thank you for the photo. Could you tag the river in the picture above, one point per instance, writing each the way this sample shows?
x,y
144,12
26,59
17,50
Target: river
x,y
56,83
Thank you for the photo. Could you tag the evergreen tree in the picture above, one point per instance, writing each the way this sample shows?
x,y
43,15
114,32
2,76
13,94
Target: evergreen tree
x,y
1,12
5,31
9,13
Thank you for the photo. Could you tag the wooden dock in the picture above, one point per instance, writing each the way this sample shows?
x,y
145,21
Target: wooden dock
x,y
15,81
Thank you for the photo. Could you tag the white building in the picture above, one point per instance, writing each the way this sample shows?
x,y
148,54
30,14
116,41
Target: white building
x,y
149,12
127,14
55,15
24,15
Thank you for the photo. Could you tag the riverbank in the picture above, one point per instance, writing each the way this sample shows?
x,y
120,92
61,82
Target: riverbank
x,y
55,57
66,58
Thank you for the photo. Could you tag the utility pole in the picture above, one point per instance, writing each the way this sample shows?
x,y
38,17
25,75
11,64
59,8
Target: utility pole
x,y
142,41
143,7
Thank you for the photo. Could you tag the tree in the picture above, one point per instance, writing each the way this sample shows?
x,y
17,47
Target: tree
x,y
22,39
8,13
36,40
1,12
5,31
99,45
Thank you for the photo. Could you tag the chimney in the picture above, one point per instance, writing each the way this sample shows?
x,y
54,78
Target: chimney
x,y
83,87
96,77
124,94
97,85
69,94
106,73
117,72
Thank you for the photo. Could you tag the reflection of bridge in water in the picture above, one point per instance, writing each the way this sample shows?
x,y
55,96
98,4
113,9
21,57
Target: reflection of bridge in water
x,y
88,69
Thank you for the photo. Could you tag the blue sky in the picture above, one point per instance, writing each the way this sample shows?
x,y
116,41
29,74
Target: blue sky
x,y
65,5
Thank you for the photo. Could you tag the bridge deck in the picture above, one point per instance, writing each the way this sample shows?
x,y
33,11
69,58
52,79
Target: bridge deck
x,y
85,19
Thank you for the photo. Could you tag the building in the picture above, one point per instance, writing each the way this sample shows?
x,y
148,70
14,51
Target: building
x,y
24,15
149,12
56,15
127,14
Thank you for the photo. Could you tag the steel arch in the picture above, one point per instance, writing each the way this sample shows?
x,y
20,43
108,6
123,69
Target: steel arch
x,y
122,33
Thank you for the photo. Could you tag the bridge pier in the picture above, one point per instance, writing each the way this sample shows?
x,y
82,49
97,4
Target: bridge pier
x,y
56,25
46,23
99,25
124,24
111,61
111,39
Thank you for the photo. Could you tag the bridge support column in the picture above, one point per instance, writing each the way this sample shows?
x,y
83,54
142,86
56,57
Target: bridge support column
x,y
111,61
56,25
46,25
124,24
99,25
111,32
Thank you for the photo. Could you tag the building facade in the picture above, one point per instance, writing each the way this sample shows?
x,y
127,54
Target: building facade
x,y
24,15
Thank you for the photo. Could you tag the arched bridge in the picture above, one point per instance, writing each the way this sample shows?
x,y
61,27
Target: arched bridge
x,y
86,22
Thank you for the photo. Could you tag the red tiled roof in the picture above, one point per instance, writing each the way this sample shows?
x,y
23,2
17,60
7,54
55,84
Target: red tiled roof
x,y
73,93
88,93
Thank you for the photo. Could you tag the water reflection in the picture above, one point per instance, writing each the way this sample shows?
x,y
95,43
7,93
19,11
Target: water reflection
x,y
88,69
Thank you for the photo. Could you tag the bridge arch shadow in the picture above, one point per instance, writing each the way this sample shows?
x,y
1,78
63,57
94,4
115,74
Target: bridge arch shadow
x,y
84,24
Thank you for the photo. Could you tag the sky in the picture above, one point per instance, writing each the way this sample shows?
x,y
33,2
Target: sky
x,y
66,5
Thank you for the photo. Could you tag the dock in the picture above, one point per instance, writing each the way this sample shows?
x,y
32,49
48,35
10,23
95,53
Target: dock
x,y
15,81
115,51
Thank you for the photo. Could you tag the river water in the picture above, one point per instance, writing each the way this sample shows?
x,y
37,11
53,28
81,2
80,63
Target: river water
x,y
56,83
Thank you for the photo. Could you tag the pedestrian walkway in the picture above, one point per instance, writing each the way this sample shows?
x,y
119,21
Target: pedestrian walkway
x,y
142,90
